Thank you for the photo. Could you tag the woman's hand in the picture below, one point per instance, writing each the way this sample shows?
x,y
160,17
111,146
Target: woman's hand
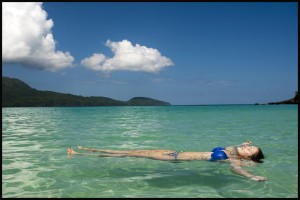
x,y
247,142
258,178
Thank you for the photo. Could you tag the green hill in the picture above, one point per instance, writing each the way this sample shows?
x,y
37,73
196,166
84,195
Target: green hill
x,y
16,93
143,101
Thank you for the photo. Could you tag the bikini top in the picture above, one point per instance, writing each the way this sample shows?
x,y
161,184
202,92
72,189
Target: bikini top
x,y
219,154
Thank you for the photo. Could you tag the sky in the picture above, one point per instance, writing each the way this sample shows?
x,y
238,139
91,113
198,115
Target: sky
x,y
184,53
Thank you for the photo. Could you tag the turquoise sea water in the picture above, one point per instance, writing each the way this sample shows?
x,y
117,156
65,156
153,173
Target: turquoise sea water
x,y
35,140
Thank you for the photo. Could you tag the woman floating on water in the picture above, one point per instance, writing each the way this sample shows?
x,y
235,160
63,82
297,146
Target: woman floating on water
x,y
232,154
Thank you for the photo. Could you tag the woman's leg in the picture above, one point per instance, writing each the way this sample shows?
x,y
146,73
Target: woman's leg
x,y
139,155
125,151
155,155
103,150
71,151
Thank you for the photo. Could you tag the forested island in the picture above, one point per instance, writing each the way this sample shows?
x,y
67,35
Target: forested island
x,y
16,93
293,100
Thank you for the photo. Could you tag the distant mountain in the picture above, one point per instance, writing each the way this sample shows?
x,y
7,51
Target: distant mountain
x,y
16,93
289,101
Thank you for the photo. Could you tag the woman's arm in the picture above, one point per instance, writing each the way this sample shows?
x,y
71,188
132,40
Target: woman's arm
x,y
237,169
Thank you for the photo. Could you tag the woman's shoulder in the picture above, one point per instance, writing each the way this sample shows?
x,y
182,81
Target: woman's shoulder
x,y
230,148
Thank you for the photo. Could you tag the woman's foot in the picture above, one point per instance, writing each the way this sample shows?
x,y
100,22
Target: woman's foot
x,y
71,151
88,149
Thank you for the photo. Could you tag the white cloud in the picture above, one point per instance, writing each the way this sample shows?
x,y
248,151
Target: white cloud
x,y
128,57
94,62
27,37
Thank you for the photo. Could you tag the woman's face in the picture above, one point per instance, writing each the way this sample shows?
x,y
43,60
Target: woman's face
x,y
247,151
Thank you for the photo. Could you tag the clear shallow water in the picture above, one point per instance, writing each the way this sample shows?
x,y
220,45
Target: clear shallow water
x,y
35,140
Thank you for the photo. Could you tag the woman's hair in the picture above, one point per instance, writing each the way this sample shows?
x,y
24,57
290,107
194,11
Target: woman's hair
x,y
256,157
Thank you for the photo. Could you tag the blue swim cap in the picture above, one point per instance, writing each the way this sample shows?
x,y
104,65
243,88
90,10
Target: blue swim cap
x,y
218,155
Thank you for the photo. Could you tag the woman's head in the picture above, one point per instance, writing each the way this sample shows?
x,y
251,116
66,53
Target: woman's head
x,y
251,152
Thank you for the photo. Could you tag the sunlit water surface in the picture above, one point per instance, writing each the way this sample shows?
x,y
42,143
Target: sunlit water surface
x,y
35,140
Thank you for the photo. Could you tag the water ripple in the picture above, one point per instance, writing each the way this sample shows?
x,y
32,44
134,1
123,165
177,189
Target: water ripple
x,y
35,140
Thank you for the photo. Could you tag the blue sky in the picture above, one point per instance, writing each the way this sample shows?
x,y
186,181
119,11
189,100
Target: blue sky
x,y
182,53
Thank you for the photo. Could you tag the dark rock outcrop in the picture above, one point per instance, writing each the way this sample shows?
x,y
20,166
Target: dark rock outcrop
x,y
289,101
